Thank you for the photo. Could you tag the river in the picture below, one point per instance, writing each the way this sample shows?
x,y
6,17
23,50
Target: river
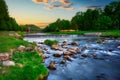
x,y
105,67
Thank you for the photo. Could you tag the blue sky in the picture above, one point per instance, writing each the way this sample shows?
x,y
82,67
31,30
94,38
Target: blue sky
x,y
41,13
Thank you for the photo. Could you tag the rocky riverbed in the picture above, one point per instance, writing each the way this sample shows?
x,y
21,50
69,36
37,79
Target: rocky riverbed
x,y
81,58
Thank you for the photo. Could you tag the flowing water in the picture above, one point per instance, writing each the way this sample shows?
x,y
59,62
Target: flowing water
x,y
105,67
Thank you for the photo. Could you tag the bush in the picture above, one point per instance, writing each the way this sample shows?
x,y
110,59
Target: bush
x,y
50,42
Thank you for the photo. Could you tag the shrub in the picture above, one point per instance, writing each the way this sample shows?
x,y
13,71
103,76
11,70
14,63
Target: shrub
x,y
50,42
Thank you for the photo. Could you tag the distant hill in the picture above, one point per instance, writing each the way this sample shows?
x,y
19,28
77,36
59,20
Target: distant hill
x,y
33,28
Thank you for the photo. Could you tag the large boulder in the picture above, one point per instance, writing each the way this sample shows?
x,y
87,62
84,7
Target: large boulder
x,y
55,47
57,55
21,48
8,63
52,65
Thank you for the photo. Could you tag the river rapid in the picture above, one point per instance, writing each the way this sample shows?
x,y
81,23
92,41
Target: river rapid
x,y
105,67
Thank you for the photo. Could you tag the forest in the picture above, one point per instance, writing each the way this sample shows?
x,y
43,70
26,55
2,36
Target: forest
x,y
107,18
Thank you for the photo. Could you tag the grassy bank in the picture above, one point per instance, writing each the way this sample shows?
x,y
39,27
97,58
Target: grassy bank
x,y
28,65
108,33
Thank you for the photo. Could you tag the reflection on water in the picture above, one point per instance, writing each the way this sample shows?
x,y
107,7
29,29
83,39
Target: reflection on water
x,y
105,67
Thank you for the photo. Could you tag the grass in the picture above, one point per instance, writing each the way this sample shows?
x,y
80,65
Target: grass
x,y
111,33
108,33
50,42
32,68
7,42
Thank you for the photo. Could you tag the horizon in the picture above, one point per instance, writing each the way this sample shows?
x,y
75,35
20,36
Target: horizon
x,y
44,12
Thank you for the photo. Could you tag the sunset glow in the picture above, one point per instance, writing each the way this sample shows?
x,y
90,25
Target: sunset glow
x,y
43,12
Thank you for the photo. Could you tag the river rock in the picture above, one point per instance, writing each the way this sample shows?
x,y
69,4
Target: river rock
x,y
67,57
63,61
55,47
64,45
65,41
84,55
8,63
45,57
105,41
74,43
57,55
72,51
60,49
21,48
78,50
52,65
73,56
67,53
29,49
94,56
4,56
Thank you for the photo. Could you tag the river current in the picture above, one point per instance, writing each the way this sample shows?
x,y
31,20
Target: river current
x,y
105,67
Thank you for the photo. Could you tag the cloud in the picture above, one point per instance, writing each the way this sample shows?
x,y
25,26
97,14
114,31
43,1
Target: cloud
x,y
93,7
50,4
40,1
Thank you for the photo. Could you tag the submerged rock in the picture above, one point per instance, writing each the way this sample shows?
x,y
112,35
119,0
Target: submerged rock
x,y
65,41
57,55
67,57
84,55
52,65
63,61
94,56
74,43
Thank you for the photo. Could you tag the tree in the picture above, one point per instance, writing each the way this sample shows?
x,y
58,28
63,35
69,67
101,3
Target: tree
x,y
6,22
104,22
113,11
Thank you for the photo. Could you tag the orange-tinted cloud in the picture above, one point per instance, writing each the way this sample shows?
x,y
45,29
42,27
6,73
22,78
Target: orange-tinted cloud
x,y
63,4
41,1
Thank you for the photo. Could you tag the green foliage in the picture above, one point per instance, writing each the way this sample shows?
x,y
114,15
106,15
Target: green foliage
x,y
57,26
99,40
104,22
97,19
33,28
112,33
50,42
7,23
7,42
31,68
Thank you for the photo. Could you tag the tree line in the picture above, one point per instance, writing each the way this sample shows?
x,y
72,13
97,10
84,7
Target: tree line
x,y
8,23
97,19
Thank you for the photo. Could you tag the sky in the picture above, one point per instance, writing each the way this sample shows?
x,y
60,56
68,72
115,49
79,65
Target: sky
x,y
44,12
